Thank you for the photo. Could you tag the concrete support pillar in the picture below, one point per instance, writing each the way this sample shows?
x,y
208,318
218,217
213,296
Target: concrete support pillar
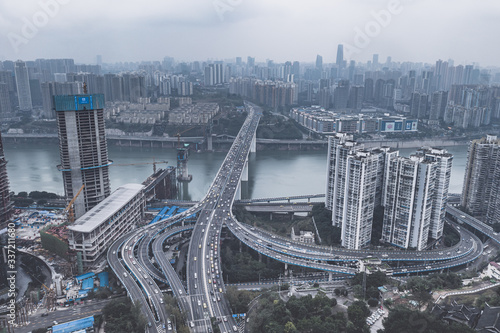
x,y
286,268
260,257
271,216
209,142
241,246
253,144
238,192
330,276
244,174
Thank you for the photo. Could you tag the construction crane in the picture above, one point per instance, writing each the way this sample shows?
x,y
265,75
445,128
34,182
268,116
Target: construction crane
x,y
69,209
178,135
144,163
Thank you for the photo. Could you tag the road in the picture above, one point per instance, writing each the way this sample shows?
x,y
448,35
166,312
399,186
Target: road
x,y
203,296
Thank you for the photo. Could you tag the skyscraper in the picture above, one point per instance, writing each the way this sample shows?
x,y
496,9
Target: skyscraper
x,y
319,62
6,205
340,59
480,195
23,86
83,149
351,188
408,192
443,161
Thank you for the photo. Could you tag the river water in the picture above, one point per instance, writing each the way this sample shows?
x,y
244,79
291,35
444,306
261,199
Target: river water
x,y
32,167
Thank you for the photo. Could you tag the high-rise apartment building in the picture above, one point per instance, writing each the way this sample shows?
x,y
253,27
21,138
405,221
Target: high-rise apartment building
x,y
6,205
415,193
23,86
408,193
351,188
480,195
83,149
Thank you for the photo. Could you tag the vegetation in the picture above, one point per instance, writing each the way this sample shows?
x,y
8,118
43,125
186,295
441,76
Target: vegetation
x,y
53,244
421,287
330,235
273,127
305,314
101,293
451,237
357,313
373,281
402,319
492,298
239,299
245,266
172,308
123,316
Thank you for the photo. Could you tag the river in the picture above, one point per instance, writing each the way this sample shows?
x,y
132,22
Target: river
x,y
32,167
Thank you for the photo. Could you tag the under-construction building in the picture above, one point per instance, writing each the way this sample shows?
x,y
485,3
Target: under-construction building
x,y
5,204
83,149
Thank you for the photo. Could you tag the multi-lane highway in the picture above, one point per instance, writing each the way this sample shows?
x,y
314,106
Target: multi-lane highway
x,y
202,297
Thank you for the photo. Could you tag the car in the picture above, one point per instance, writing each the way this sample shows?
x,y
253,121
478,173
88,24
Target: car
x,y
161,300
169,327
199,302
191,324
204,305
125,274
54,322
194,258
45,314
235,329
156,291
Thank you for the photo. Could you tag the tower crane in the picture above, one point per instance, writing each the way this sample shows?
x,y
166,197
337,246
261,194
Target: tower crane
x,y
69,209
144,163
178,135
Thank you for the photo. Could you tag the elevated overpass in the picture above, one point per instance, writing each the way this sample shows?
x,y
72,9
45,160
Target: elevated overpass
x,y
203,296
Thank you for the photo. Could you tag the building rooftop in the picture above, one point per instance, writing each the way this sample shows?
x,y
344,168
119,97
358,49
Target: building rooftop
x,y
106,208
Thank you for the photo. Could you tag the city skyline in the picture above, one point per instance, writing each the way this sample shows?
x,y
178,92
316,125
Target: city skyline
x,y
279,31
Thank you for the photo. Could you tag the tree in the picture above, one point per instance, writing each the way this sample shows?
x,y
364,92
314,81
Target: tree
x,y
372,302
357,313
290,328
403,319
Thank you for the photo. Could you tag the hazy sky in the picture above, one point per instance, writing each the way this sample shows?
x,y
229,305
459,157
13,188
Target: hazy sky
x,y
123,30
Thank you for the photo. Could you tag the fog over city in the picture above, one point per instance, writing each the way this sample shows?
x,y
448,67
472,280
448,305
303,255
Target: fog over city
x,y
416,31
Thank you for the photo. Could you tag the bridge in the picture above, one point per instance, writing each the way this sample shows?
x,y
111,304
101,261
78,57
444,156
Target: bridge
x,y
203,295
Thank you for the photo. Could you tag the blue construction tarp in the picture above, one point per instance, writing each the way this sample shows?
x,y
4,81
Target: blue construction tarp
x,y
103,279
88,284
82,277
74,325
160,214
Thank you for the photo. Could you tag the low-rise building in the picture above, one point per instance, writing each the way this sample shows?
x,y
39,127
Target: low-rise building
x,y
493,270
97,229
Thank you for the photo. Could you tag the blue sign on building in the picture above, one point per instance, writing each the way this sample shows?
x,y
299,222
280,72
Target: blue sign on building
x,y
83,100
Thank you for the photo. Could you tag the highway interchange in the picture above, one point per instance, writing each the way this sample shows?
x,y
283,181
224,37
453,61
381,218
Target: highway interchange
x,y
202,296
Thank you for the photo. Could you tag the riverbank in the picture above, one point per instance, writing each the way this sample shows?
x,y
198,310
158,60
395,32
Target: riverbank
x,y
430,142
198,143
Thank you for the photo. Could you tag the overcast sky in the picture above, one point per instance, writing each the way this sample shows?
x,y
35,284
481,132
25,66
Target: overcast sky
x,y
281,30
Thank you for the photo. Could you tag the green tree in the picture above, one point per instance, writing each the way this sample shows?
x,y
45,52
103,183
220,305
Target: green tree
x,y
357,313
403,319
290,328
